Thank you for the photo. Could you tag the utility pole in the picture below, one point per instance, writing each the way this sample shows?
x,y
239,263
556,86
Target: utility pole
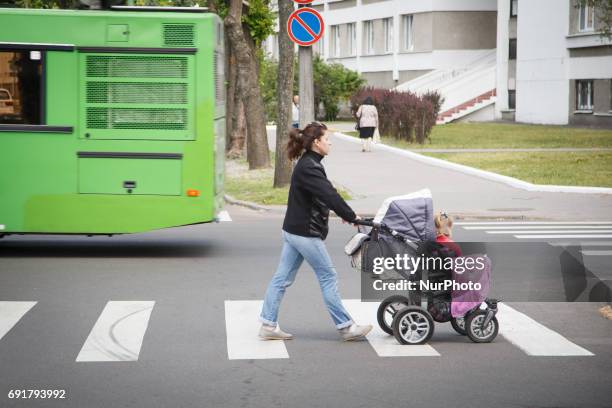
x,y
307,108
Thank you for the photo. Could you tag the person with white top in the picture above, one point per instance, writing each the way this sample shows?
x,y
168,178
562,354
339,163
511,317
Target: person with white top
x,y
367,116
295,112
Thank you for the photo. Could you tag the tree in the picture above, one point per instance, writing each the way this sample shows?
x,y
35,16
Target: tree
x,y
244,45
603,14
333,83
282,168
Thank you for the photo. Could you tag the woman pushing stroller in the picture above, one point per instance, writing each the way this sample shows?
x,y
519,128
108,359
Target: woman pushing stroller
x,y
311,196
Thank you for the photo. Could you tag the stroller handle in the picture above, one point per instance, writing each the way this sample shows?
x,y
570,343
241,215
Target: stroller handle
x,y
367,222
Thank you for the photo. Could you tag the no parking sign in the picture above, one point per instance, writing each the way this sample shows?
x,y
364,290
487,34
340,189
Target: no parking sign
x,y
305,26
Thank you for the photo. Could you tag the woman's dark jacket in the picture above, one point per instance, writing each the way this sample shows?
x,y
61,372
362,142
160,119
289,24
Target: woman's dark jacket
x,y
311,196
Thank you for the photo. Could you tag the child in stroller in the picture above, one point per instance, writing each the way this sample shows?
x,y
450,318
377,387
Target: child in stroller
x,y
404,226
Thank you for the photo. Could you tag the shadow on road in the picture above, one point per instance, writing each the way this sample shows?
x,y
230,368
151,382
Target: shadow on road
x,y
116,249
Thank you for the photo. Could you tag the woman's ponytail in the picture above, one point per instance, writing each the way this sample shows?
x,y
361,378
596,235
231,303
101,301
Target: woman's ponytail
x,y
294,145
300,140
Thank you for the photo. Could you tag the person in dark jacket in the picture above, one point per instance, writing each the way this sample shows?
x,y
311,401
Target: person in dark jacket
x,y
311,196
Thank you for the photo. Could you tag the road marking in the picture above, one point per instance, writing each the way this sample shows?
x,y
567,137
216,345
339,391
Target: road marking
x,y
242,328
548,227
535,223
384,344
224,216
560,236
597,253
532,337
582,243
118,333
552,232
11,313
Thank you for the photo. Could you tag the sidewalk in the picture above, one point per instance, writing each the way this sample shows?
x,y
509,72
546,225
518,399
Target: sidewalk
x,y
372,177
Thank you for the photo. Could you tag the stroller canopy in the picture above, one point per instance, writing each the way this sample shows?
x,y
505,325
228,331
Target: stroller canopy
x,y
410,215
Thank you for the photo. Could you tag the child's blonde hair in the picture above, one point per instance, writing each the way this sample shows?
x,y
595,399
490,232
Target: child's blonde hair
x,y
444,224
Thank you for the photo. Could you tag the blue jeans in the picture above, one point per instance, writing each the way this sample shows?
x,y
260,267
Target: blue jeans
x,y
295,249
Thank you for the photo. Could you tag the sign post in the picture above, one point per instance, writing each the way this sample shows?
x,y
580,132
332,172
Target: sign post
x,y
305,27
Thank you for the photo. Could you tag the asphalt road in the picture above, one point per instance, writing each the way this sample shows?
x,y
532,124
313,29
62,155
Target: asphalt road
x,y
189,273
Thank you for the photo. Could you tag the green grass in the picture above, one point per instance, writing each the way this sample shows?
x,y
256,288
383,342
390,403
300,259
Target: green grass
x,y
592,169
256,185
502,135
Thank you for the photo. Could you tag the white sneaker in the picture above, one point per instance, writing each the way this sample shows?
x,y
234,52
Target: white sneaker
x,y
273,333
355,332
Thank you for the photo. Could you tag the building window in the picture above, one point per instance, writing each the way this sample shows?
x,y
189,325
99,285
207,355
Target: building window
x,y
512,49
352,38
21,87
584,95
511,99
368,29
586,17
388,32
513,8
408,33
335,41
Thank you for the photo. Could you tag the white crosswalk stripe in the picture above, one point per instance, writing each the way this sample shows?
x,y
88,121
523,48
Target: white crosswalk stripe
x,y
589,231
548,227
118,333
381,342
242,326
532,337
11,313
462,223
224,216
596,253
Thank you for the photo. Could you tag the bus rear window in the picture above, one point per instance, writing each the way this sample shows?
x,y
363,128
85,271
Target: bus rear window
x,y
20,87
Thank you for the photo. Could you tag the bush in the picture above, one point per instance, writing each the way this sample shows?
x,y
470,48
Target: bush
x,y
402,115
332,84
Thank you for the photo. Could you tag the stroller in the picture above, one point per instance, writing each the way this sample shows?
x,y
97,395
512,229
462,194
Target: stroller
x,y
404,226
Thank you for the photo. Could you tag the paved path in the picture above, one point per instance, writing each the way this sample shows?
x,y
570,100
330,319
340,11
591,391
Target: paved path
x,y
372,177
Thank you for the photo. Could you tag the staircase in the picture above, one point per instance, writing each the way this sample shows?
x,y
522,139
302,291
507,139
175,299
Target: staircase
x,y
466,89
473,105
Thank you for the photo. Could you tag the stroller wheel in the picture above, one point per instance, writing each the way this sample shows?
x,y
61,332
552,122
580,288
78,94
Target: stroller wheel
x,y
475,330
413,325
458,324
387,310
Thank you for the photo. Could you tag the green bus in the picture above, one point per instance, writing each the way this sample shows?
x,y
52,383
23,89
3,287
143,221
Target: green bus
x,y
111,121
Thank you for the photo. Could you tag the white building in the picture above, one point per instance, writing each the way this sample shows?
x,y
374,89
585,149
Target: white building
x,y
553,66
390,42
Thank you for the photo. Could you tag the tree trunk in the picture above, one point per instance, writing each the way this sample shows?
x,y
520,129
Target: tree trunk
x,y
248,89
282,169
239,131
230,102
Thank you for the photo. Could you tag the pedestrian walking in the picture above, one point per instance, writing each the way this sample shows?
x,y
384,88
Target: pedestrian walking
x,y
295,112
367,117
311,196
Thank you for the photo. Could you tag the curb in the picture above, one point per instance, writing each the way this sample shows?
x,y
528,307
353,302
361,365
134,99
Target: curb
x,y
511,181
248,204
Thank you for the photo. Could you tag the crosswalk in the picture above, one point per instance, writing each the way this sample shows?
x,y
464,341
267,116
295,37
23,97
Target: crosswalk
x,y
594,237
530,336
120,331
547,230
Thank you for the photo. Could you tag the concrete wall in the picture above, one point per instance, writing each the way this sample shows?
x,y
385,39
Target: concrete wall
x,y
542,62
475,30
503,36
